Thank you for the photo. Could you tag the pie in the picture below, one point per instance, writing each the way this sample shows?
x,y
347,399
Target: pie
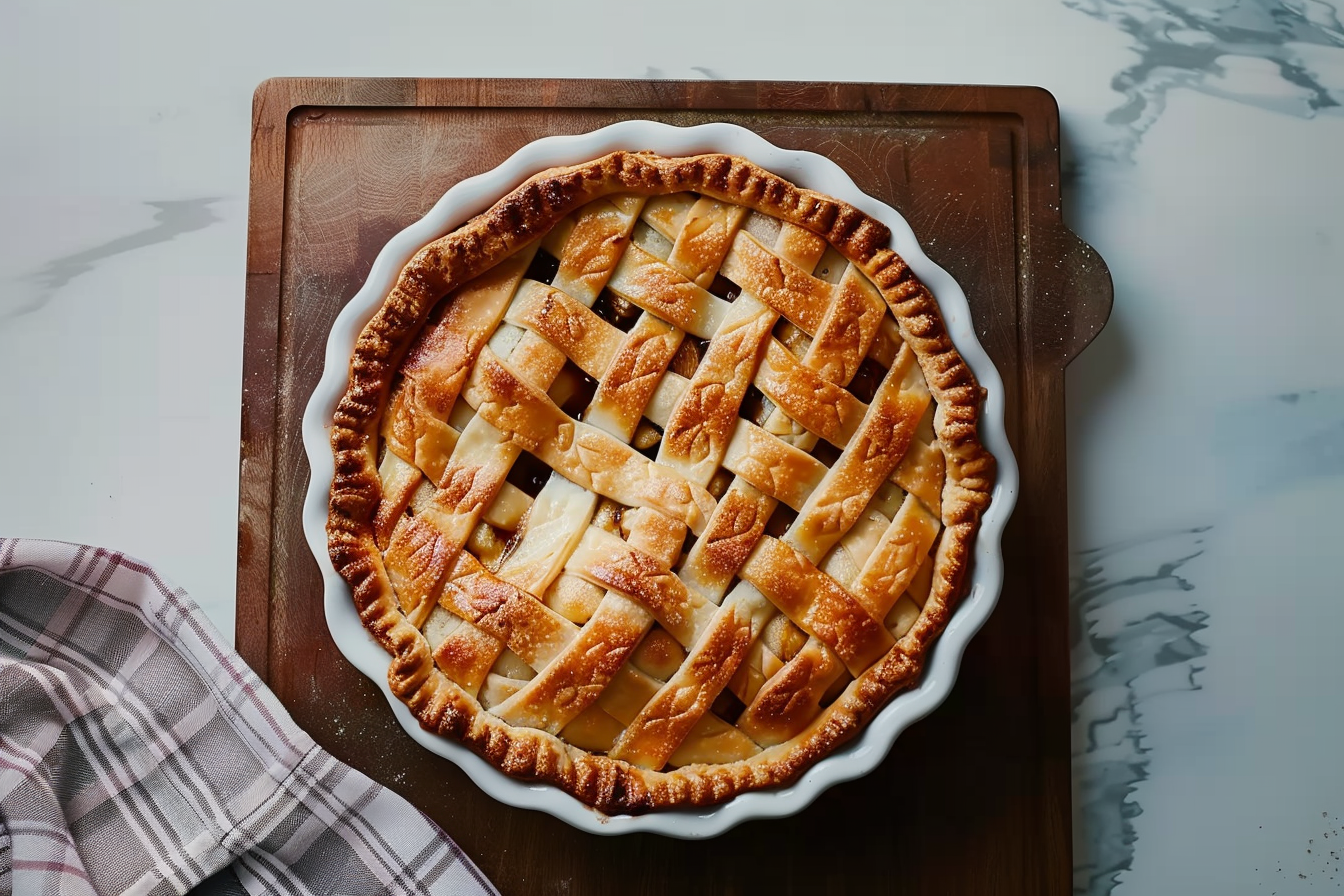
x,y
657,479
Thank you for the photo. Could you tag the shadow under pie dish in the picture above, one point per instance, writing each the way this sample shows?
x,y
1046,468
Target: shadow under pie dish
x,y
657,479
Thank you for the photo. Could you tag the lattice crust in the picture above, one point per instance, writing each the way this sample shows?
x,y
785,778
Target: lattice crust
x,y
657,479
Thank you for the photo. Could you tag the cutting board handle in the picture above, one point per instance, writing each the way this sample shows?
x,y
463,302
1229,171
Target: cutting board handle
x,y
1085,282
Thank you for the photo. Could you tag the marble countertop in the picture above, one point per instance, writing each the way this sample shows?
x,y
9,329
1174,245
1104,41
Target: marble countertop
x,y
1203,146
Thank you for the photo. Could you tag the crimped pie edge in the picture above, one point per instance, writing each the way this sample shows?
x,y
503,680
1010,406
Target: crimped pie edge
x,y
526,213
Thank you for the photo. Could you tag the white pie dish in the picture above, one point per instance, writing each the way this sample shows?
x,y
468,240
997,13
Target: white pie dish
x,y
475,194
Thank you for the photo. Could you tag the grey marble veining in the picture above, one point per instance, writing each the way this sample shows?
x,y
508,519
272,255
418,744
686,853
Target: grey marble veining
x,y
1283,55
1137,617
173,218
1135,627
1145,609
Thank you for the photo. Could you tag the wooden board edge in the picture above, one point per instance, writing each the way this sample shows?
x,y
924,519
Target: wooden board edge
x,y
1066,302
1071,285
256,444
276,97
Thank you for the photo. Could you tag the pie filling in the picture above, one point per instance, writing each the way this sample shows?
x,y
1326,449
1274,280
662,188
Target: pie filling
x,y
663,483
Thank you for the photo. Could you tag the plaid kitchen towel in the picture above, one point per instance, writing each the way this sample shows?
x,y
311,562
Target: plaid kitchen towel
x,y
139,754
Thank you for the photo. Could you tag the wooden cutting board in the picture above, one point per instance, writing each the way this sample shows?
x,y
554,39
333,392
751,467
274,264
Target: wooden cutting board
x,y
973,800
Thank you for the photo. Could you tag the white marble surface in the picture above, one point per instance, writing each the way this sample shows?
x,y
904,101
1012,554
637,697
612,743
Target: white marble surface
x,y
1206,144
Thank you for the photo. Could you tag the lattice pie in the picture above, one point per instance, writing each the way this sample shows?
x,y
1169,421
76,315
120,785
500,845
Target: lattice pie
x,y
657,479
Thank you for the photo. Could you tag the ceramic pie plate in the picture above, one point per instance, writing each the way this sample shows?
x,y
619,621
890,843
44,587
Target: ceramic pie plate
x,y
472,196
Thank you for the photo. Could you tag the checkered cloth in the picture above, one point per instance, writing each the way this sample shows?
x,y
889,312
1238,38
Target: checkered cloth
x,y
139,754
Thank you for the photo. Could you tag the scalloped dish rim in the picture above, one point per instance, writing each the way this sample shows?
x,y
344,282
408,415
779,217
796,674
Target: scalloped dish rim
x,y
473,195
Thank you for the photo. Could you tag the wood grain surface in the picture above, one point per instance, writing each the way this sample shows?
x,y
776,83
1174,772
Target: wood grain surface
x,y
973,800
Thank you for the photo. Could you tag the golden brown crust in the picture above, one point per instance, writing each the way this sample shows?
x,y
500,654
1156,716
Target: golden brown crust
x,y
611,785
